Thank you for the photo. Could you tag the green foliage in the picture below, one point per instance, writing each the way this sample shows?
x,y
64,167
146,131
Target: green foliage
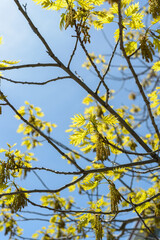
x,y
12,164
5,63
96,59
31,141
156,66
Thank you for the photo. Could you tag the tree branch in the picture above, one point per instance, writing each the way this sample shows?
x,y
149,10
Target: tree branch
x,y
35,83
34,65
42,190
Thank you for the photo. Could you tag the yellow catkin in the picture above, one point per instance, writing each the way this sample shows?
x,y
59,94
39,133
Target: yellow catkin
x,y
102,150
115,197
146,48
98,227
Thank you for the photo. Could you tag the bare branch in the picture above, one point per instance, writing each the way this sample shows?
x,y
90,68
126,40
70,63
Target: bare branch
x,y
97,170
44,191
110,61
34,65
35,83
108,68
40,179
74,50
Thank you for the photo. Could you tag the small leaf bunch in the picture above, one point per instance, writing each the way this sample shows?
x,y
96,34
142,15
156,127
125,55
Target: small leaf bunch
x,y
33,113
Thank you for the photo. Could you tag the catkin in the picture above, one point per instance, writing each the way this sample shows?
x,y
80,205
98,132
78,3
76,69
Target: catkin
x,y
154,8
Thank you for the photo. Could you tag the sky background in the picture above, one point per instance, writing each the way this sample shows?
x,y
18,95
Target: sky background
x,y
59,100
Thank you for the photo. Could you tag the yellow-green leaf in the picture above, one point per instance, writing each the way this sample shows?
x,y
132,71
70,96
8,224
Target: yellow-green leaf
x,y
156,66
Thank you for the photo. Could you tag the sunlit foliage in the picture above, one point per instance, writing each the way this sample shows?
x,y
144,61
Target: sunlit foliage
x,y
112,154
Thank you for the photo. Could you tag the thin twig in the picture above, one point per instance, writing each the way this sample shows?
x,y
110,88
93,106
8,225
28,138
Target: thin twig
x,y
44,191
134,52
74,50
146,171
34,65
86,52
40,179
110,61
127,166
108,67
128,152
90,59
35,83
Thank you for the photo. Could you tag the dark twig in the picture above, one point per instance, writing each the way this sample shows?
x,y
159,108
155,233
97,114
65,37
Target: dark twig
x,y
40,179
134,52
86,52
34,65
74,50
129,152
146,171
90,59
110,61
107,70
97,170
35,83
44,191
3,104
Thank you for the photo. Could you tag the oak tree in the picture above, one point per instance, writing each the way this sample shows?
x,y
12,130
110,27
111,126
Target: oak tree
x,y
112,180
